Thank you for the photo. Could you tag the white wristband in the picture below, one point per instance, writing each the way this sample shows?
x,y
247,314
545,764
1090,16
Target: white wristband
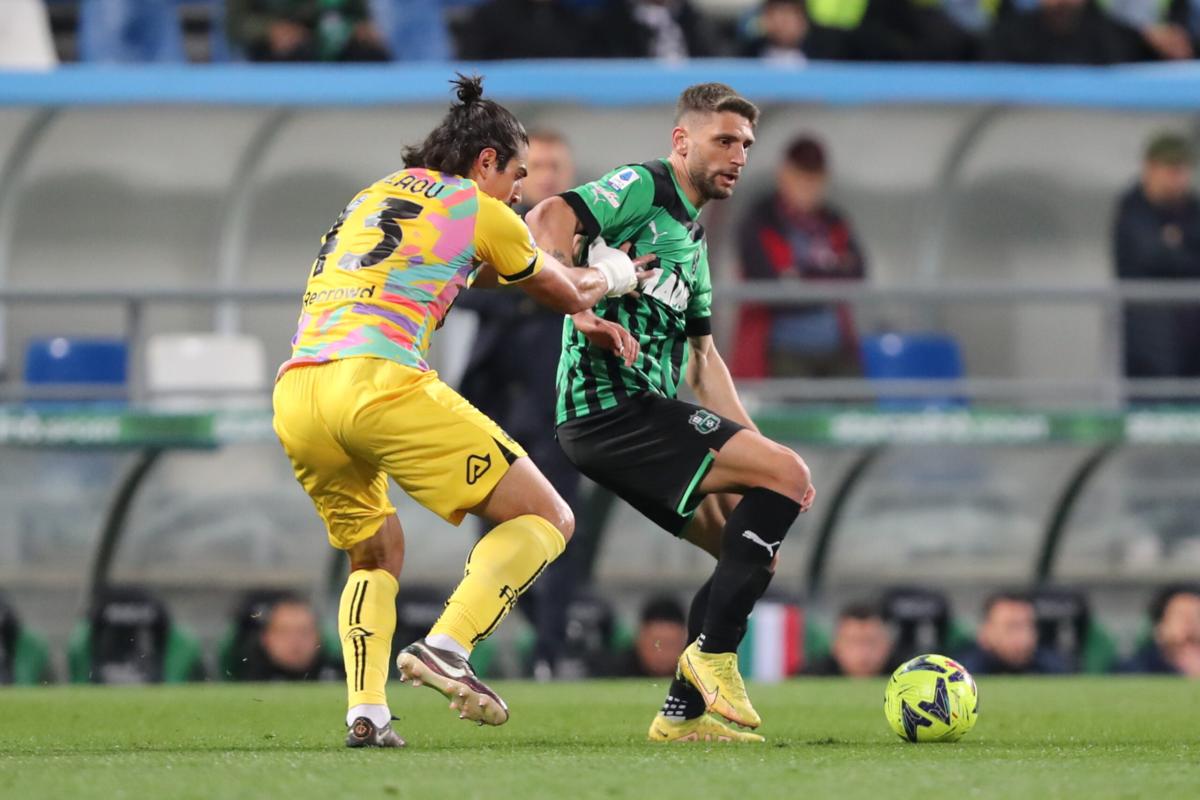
x,y
616,267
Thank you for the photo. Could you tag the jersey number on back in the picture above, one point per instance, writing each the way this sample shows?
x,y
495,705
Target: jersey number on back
x,y
391,212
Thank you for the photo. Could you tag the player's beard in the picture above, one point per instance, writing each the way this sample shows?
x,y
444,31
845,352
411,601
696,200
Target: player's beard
x,y
706,184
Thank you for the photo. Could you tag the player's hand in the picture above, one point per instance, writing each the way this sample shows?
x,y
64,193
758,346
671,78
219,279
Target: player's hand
x,y
616,266
643,265
613,338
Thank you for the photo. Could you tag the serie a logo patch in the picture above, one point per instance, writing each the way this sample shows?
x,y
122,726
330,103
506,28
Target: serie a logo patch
x,y
704,422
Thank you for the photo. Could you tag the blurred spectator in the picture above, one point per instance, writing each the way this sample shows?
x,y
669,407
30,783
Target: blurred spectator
x,y
305,30
1175,648
661,637
782,31
510,376
921,30
130,31
288,647
1162,26
25,40
861,645
667,30
1059,32
501,29
794,234
1007,640
1156,237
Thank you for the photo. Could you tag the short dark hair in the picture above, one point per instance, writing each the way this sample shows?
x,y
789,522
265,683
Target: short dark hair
x,y
860,611
712,98
472,125
1005,596
807,154
1164,596
663,609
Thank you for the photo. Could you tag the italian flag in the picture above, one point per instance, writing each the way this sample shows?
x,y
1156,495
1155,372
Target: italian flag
x,y
774,645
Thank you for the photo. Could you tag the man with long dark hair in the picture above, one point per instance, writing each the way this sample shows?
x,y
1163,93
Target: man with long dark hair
x,y
357,402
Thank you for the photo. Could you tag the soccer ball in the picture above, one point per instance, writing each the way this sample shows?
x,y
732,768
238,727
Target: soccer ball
x,y
931,699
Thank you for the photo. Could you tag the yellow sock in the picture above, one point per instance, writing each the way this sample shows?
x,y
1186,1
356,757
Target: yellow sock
x,y
366,622
502,565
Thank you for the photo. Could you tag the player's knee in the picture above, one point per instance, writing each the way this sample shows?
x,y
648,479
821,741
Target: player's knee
x,y
786,473
564,520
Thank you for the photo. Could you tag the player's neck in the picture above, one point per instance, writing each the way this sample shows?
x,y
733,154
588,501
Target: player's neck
x,y
685,181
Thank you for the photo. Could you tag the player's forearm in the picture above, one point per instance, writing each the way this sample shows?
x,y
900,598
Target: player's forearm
x,y
710,380
590,284
553,225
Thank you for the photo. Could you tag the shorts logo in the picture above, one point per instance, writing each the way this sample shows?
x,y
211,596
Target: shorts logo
x,y
477,467
704,422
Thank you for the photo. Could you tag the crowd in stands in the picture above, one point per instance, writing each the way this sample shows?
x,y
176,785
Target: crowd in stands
x,y
128,637
1019,31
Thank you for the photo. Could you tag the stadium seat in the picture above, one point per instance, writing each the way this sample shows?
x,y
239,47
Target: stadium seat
x,y
247,625
24,658
1066,626
922,622
898,356
130,31
186,370
80,364
415,30
128,638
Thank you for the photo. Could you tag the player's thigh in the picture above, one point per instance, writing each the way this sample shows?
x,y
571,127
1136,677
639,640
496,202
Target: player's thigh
x,y
441,450
749,460
525,490
350,493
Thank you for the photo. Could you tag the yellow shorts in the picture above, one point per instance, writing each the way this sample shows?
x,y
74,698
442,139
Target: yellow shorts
x,y
349,424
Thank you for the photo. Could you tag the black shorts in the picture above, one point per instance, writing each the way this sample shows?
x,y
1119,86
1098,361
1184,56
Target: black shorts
x,y
651,451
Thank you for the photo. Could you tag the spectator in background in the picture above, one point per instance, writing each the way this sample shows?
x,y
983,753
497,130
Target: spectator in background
x,y
861,647
511,377
289,647
502,29
783,32
924,30
667,30
1163,27
25,40
794,234
1007,640
1059,32
1175,648
1157,237
130,31
661,637
305,30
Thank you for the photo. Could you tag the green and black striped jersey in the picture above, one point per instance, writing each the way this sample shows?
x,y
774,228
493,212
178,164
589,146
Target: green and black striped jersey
x,y
644,205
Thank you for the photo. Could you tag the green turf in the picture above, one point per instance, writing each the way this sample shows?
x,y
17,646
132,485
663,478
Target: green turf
x,y
1076,738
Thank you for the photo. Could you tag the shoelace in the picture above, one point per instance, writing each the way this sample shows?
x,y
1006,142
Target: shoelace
x,y
726,671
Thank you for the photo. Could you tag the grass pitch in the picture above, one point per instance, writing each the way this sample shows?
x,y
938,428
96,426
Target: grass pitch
x,y
1067,737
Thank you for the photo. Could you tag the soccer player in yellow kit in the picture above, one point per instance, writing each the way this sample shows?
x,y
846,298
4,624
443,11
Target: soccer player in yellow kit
x,y
357,403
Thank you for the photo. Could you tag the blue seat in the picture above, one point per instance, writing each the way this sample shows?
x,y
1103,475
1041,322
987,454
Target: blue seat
x,y
907,356
82,362
130,31
415,30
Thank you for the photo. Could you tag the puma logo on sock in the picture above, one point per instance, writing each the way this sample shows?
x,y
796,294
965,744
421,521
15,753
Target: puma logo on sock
x,y
754,537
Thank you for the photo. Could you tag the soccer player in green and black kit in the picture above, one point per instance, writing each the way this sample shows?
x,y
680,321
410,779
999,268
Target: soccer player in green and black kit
x,y
702,472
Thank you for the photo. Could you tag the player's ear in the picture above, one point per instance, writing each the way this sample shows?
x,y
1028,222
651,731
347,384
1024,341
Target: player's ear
x,y
679,140
486,161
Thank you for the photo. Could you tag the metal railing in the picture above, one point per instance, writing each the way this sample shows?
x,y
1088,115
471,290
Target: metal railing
x,y
1107,389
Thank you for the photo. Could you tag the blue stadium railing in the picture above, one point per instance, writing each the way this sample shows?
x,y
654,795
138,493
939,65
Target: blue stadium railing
x,y
1163,87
